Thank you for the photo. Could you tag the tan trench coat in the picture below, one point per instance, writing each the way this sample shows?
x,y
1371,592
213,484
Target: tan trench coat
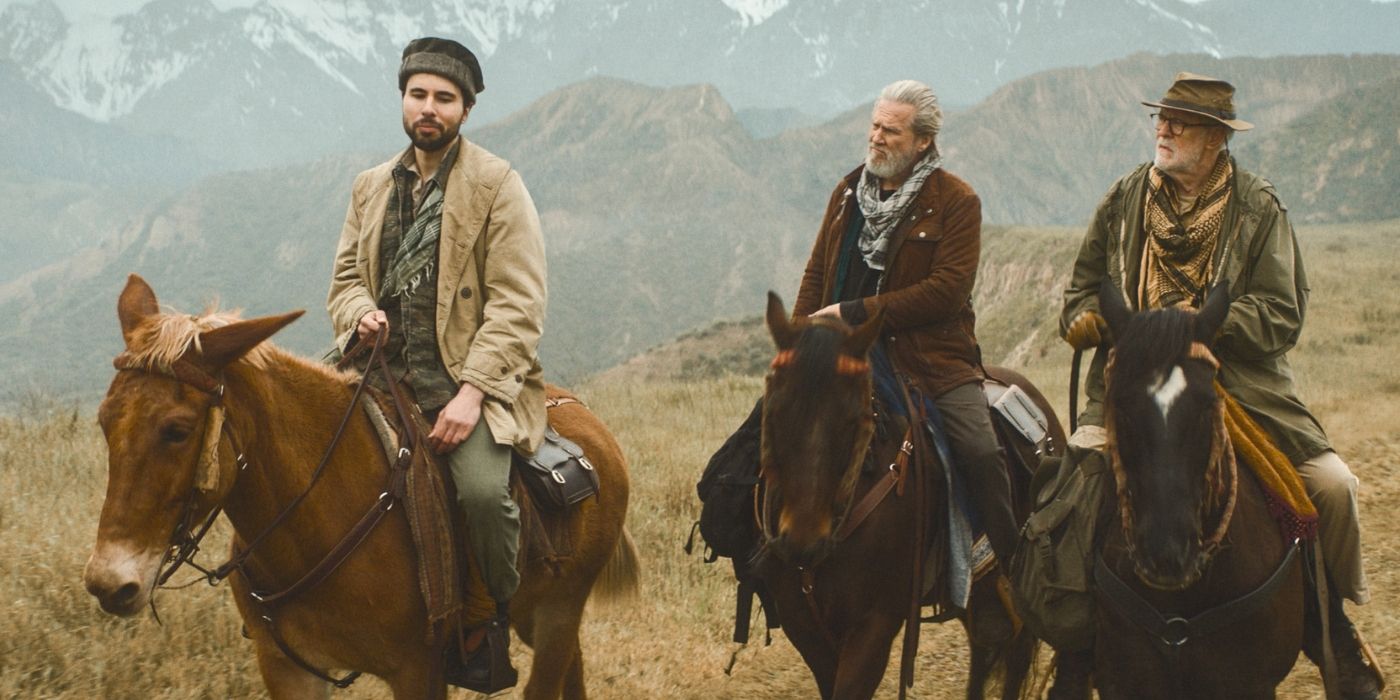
x,y
490,291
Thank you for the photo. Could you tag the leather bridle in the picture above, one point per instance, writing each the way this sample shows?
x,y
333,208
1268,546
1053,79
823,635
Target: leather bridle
x,y
853,512
185,540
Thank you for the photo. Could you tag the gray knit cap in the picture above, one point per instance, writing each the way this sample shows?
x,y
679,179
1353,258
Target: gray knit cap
x,y
446,58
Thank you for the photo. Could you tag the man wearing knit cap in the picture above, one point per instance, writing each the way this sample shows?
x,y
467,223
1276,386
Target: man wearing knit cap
x,y
441,250
1163,236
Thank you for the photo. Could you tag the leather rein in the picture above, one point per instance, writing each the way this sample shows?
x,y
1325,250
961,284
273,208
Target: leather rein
x,y
185,540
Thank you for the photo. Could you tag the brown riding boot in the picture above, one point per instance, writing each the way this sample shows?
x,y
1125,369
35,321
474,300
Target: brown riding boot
x,y
487,667
1359,675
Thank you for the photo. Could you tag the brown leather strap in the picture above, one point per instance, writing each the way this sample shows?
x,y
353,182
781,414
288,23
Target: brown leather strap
x,y
877,493
917,548
533,532
342,682
181,370
809,586
189,374
555,401
333,558
238,560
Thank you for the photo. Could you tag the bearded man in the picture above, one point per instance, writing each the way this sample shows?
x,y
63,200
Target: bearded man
x,y
1164,234
901,235
441,250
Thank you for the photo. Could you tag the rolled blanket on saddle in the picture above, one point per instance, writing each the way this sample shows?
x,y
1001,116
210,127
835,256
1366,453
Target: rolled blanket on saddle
x,y
1283,487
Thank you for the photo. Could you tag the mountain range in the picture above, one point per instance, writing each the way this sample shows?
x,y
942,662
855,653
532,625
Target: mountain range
x,y
662,212
271,82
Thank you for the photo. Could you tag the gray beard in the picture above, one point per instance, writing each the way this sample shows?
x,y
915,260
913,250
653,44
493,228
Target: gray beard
x,y
894,164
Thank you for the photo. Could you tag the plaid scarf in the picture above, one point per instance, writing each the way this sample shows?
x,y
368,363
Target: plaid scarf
x,y
882,216
417,252
1180,248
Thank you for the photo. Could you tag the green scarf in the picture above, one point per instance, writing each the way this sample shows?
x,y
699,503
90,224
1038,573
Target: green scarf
x,y
413,262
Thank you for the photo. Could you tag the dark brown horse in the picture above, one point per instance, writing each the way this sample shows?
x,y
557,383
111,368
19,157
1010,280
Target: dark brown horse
x,y
1199,595
369,614
843,574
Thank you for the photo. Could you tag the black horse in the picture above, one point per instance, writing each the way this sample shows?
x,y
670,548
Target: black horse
x,y
1199,594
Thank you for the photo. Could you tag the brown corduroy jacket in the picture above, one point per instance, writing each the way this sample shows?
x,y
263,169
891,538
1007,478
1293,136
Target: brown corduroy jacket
x,y
926,291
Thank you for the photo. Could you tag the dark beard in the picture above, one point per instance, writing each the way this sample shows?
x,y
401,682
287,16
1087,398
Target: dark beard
x,y
433,144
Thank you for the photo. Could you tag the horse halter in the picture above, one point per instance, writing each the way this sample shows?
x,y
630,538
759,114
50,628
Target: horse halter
x,y
184,543
185,538
187,373
1221,465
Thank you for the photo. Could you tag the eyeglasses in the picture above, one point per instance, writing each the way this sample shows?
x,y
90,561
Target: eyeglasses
x,y
1175,126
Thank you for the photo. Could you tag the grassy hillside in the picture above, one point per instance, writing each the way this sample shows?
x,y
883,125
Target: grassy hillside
x,y
673,641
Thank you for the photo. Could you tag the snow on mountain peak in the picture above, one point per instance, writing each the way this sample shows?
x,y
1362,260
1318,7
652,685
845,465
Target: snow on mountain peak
x,y
100,65
754,12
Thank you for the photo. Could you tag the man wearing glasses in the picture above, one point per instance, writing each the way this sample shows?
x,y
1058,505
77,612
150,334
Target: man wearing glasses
x,y
1164,234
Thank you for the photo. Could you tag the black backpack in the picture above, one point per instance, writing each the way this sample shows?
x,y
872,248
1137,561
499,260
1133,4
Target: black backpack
x,y
726,491
727,522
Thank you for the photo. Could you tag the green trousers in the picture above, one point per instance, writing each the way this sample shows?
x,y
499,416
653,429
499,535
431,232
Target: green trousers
x,y
481,472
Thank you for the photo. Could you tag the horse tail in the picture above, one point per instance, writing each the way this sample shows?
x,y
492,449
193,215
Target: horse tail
x,y
619,577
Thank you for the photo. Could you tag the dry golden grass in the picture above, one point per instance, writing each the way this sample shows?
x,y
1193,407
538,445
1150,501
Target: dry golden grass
x,y
672,642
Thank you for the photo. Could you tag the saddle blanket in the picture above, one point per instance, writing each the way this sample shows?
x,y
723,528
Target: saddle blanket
x,y
1283,487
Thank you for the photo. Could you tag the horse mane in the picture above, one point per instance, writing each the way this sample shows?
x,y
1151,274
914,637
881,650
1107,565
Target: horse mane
x,y
162,340
816,353
1153,342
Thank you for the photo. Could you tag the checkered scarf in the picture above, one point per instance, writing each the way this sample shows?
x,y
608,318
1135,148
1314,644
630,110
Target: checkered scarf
x,y
1180,247
882,216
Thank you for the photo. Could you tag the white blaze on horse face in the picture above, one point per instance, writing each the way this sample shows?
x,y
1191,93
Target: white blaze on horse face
x,y
1169,390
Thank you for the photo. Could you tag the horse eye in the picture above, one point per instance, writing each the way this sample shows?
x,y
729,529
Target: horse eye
x,y
174,434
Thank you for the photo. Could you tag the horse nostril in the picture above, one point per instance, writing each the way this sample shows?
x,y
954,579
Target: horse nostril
x,y
126,594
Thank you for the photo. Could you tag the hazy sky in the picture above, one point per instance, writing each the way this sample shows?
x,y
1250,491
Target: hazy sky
x,y
77,8
121,7
112,8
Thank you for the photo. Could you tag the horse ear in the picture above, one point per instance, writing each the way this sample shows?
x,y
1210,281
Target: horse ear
x,y
1114,307
784,335
1212,313
136,303
858,343
220,346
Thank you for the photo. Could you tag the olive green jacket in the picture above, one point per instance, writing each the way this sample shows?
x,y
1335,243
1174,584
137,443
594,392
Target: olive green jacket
x,y
490,287
1258,255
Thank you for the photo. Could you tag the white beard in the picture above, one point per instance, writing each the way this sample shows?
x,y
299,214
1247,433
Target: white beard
x,y
894,164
